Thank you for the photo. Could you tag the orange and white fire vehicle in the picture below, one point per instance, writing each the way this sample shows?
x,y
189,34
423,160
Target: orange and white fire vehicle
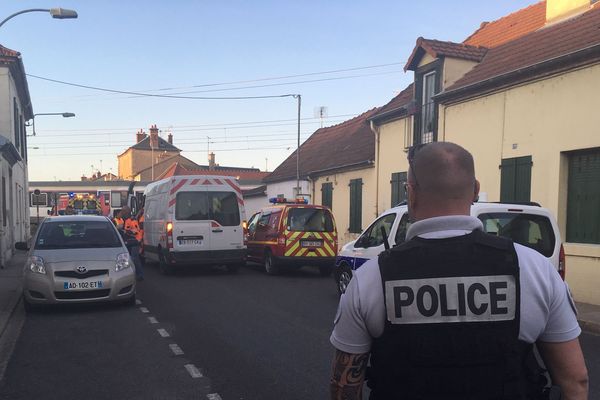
x,y
294,234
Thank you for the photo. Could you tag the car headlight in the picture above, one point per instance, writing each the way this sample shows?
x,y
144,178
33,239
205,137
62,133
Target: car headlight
x,y
36,264
123,261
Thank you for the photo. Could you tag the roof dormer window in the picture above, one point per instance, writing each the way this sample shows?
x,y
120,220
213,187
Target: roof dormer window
x,y
428,108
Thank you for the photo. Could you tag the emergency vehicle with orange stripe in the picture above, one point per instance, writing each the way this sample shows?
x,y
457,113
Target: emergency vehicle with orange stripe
x,y
293,234
194,220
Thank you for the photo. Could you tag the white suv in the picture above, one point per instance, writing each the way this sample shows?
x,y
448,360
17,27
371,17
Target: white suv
x,y
530,225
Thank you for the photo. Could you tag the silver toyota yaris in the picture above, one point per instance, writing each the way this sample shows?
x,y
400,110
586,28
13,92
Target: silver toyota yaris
x,y
75,259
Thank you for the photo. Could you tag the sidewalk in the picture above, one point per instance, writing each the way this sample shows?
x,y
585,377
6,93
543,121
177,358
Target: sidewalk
x,y
11,286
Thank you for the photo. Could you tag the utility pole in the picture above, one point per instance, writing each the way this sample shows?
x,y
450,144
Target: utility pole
x,y
299,97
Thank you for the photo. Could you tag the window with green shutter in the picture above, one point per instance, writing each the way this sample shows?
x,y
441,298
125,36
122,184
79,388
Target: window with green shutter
x,y
355,205
583,199
327,194
398,193
515,180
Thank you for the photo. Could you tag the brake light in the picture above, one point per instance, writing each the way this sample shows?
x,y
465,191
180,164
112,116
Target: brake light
x,y
169,235
562,265
245,232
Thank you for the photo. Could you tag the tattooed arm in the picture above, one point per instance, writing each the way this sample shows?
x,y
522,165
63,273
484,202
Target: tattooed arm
x,y
348,375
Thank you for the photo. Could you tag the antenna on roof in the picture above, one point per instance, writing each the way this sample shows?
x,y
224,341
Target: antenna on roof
x,y
321,113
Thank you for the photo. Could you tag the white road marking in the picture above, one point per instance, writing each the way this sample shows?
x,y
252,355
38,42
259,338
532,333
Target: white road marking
x,y
176,349
213,396
194,372
138,302
144,310
162,332
152,320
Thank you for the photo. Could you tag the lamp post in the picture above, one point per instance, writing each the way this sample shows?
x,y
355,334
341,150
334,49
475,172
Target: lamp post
x,y
64,115
58,13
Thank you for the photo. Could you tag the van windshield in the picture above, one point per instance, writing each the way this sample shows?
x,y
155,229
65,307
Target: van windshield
x,y
221,207
310,220
530,230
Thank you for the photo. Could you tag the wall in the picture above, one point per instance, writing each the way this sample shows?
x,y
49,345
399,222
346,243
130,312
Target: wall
x,y
17,228
286,188
393,144
254,204
455,69
341,199
542,119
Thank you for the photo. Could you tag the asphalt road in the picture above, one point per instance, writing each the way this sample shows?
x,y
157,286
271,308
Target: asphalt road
x,y
245,336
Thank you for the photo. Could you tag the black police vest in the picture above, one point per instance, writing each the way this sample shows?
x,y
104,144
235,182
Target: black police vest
x,y
452,326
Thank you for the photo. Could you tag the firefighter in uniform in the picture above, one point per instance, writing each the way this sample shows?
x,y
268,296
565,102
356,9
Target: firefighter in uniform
x,y
454,313
132,235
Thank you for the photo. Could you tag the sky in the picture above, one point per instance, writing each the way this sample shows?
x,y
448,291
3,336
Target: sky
x,y
346,56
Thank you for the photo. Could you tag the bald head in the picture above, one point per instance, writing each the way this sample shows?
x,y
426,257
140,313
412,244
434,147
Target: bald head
x,y
441,181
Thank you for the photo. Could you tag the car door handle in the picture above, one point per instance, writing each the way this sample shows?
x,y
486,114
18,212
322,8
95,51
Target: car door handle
x,y
217,230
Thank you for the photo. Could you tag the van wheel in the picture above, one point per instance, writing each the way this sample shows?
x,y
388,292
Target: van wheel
x,y
234,268
271,266
164,268
342,277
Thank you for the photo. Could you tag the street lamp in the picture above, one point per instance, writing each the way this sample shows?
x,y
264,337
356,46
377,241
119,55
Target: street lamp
x,y
58,13
64,115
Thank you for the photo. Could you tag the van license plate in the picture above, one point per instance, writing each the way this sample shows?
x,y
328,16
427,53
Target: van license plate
x,y
82,285
312,243
190,242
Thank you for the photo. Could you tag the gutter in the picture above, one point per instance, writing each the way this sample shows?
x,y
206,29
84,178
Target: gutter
x,y
376,131
497,81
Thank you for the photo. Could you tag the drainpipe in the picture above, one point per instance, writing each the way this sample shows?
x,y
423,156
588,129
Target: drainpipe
x,y
377,162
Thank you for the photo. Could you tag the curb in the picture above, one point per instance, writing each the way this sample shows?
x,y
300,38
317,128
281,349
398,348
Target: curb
x,y
12,305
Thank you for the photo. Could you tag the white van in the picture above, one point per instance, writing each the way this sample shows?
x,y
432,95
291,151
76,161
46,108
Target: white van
x,y
194,220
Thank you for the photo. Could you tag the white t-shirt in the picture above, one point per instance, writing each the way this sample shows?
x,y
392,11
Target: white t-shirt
x,y
547,312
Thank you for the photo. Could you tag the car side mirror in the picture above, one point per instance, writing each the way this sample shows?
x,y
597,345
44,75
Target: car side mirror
x,y
21,246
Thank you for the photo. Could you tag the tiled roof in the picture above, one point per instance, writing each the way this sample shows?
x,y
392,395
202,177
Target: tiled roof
x,y
438,48
244,177
163,145
509,27
397,105
259,191
175,159
543,45
6,52
350,143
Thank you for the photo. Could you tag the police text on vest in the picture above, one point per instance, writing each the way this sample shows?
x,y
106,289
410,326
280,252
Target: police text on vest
x,y
456,299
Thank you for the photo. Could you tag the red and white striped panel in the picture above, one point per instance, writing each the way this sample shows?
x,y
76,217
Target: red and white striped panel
x,y
205,181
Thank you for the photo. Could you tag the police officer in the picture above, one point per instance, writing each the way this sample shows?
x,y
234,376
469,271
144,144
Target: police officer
x,y
454,313
132,236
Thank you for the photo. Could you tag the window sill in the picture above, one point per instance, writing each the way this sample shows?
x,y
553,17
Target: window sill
x,y
582,249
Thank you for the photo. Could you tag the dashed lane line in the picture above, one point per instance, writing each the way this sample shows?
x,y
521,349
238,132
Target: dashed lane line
x,y
213,396
176,349
153,320
144,310
193,371
162,332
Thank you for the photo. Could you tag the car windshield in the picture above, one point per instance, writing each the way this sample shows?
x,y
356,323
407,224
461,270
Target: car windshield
x,y
310,220
77,235
533,231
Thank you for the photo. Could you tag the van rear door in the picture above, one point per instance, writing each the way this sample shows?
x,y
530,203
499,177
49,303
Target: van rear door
x,y
192,222
226,232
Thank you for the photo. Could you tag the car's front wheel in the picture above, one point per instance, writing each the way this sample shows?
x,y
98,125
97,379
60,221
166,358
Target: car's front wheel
x,y
342,277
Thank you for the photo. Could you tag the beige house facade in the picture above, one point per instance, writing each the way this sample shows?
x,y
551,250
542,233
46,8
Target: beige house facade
x,y
524,102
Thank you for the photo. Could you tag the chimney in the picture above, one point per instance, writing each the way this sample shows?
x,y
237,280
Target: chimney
x,y
140,135
83,178
557,10
154,137
170,138
211,161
